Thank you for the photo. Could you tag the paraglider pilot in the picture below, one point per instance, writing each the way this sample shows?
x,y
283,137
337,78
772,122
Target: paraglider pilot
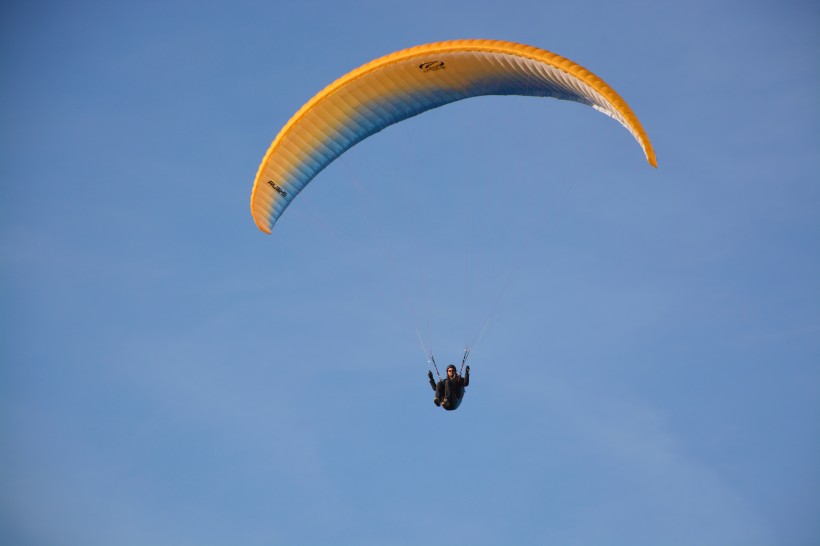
x,y
450,391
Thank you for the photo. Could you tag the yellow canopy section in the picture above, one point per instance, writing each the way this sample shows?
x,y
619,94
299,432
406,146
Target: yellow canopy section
x,y
406,83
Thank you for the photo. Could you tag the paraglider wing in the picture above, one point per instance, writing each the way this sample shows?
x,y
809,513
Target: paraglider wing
x,y
406,83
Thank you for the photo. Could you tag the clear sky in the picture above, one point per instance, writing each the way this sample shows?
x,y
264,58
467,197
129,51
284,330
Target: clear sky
x,y
170,375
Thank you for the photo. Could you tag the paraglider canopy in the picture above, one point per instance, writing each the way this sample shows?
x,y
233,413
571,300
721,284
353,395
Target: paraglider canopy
x,y
403,84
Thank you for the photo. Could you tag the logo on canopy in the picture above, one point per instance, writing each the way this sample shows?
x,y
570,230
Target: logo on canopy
x,y
431,66
279,190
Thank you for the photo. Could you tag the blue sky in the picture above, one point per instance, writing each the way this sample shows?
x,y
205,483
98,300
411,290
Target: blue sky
x,y
169,375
